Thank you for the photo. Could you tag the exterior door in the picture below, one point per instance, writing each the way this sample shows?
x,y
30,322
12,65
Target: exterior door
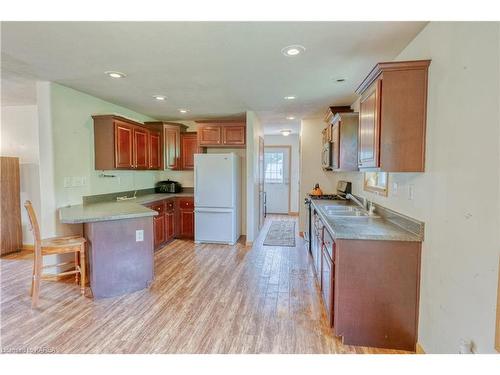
x,y
277,179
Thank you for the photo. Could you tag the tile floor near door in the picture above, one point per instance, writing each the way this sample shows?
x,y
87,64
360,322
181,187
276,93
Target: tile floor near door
x,y
205,299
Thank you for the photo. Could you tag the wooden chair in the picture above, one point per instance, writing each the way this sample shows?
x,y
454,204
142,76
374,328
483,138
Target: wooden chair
x,y
51,246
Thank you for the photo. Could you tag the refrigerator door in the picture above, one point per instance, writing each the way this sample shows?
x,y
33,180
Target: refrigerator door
x,y
214,225
214,180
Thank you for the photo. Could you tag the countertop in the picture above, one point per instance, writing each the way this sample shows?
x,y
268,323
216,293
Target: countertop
x,y
105,211
362,228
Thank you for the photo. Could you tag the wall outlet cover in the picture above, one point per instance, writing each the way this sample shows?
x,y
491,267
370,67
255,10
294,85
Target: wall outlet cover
x,y
139,235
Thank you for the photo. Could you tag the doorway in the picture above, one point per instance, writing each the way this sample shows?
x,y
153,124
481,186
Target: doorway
x,y
277,179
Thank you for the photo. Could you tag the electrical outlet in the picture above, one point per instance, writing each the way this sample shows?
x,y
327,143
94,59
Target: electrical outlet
x,y
139,235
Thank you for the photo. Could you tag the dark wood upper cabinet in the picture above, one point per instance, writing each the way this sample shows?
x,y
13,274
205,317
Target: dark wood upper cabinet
x,y
189,147
154,150
222,133
141,148
120,143
393,111
344,137
210,136
172,146
233,135
123,146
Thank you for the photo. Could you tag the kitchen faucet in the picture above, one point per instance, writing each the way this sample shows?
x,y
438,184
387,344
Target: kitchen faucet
x,y
356,200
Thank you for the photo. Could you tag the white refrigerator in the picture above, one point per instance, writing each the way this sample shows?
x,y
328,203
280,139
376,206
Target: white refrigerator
x,y
217,196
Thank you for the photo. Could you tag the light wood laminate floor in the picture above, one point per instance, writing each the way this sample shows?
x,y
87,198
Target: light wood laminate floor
x,y
205,299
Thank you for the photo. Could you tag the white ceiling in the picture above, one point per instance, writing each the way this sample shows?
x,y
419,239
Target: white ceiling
x,y
211,68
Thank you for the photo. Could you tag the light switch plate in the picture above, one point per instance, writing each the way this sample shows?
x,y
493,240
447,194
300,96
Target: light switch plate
x,y
411,192
139,235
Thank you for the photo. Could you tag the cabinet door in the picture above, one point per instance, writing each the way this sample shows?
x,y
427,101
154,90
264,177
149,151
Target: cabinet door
x,y
141,148
336,145
172,147
154,150
169,225
209,135
187,223
233,135
159,229
189,147
369,128
326,282
123,145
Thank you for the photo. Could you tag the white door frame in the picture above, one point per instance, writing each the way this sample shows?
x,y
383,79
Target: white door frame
x,y
289,147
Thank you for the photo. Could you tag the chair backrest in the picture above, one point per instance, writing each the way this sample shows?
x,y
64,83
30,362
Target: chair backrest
x,y
35,228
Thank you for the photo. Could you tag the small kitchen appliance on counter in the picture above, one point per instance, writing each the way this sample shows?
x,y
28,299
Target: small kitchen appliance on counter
x,y
343,188
168,187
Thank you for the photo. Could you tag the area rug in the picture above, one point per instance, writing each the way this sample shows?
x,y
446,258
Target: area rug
x,y
281,233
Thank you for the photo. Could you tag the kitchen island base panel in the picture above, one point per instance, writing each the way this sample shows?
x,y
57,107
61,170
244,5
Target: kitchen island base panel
x,y
119,264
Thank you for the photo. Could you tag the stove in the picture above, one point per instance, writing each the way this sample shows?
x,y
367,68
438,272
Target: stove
x,y
343,188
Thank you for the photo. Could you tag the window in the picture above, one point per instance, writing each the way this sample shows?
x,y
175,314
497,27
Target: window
x,y
376,182
273,167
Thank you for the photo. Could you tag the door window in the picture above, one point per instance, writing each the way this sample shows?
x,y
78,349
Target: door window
x,y
273,167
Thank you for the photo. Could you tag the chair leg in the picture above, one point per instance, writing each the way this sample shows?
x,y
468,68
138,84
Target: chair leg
x,y
82,270
32,279
37,275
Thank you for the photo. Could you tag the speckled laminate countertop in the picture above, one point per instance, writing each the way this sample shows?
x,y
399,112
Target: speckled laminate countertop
x,y
362,228
105,211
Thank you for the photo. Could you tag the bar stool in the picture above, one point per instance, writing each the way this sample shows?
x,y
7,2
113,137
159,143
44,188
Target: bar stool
x,y
51,246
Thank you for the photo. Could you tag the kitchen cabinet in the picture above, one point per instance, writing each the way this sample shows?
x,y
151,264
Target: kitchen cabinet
x,y
393,111
11,232
186,217
175,219
224,133
123,146
154,150
120,143
189,147
172,146
369,288
210,136
141,150
343,134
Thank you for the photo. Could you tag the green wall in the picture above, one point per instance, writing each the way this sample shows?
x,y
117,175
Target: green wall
x,y
73,140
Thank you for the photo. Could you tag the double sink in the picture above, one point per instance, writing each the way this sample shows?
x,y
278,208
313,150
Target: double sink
x,y
342,211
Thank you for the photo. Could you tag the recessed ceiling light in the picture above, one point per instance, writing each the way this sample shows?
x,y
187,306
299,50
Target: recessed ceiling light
x,y
293,50
114,74
160,97
290,117
291,97
183,110
285,132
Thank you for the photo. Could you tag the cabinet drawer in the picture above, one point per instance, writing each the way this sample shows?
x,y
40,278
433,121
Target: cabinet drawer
x,y
169,205
186,203
158,207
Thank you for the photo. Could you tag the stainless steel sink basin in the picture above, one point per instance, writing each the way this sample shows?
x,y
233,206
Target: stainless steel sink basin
x,y
346,211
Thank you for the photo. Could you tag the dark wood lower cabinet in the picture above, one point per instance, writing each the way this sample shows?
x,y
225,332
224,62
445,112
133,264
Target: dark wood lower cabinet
x,y
187,223
370,289
175,219
159,229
